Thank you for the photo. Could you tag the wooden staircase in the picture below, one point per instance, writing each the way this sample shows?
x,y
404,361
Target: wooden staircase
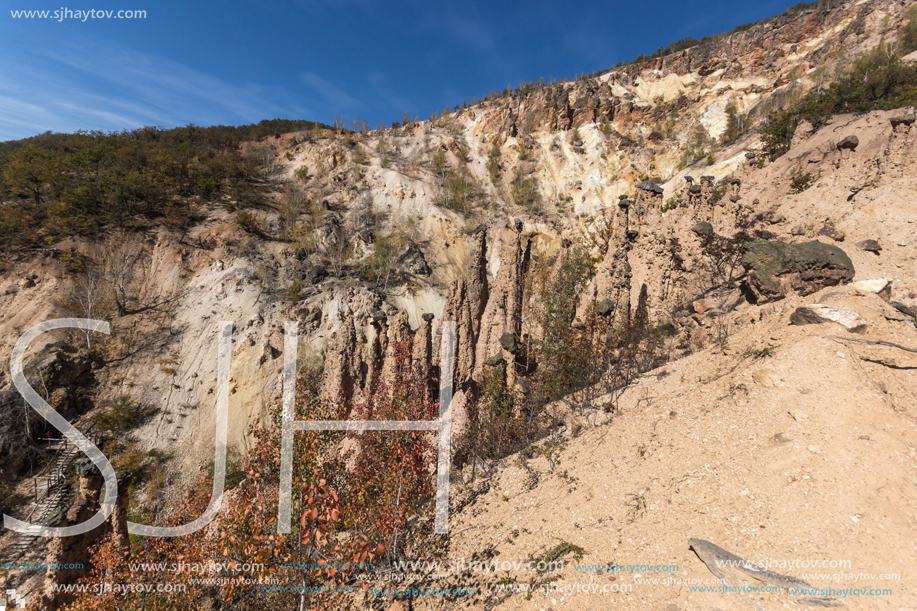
x,y
52,493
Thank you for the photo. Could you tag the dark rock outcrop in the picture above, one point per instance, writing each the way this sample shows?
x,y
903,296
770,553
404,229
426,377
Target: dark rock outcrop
x,y
815,314
703,228
872,246
903,121
605,307
414,261
651,187
848,143
830,231
560,106
775,268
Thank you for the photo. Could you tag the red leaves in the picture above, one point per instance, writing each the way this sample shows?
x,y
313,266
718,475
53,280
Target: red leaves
x,y
321,510
345,518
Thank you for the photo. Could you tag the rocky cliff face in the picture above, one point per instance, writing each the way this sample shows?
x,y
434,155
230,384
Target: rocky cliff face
x,y
623,187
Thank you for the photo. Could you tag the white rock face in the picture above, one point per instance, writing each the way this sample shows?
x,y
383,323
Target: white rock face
x,y
817,313
879,286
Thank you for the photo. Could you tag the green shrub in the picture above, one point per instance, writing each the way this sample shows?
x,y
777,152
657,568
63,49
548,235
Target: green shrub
x,y
777,132
302,173
718,192
575,138
698,147
119,415
122,414
907,35
878,80
386,251
206,186
495,397
558,301
456,191
295,290
735,123
249,222
525,192
130,459
801,182
493,161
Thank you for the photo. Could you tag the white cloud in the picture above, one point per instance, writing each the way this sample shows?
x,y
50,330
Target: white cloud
x,y
91,86
334,96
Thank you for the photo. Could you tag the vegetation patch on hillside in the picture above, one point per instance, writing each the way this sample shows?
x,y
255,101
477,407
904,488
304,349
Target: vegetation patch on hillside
x,y
879,80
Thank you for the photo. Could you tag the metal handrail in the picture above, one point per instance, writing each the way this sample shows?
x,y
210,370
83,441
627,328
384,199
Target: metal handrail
x,y
60,469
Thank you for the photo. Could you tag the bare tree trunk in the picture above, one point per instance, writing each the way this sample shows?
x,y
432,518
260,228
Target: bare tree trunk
x,y
87,298
121,258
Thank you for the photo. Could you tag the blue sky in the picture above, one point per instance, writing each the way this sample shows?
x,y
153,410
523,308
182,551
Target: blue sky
x,y
239,62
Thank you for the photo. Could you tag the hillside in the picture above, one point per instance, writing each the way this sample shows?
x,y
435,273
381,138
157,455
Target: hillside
x,y
626,264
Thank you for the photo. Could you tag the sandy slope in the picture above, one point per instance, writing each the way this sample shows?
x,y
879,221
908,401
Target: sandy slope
x,y
784,444
808,453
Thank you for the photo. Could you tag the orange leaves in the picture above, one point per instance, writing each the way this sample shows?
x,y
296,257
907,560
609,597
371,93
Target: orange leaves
x,y
321,510
362,551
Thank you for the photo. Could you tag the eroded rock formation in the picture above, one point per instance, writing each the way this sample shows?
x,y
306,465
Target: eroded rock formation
x,y
503,313
75,550
344,374
479,289
647,209
704,204
611,283
422,349
398,350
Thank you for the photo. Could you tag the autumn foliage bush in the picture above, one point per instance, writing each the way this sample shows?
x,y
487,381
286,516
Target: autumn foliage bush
x,y
372,506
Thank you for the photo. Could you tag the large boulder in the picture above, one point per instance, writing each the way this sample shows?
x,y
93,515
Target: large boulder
x,y
703,228
905,120
775,268
648,186
850,142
